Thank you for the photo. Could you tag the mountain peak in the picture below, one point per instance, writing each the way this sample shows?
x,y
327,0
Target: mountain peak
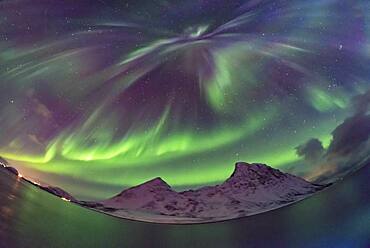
x,y
141,195
155,182
245,166
241,167
247,170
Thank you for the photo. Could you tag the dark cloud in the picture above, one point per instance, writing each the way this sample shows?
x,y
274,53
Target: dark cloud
x,y
312,150
348,150
350,135
362,103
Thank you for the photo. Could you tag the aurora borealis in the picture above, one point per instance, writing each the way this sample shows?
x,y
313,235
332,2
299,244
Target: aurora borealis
x,y
99,95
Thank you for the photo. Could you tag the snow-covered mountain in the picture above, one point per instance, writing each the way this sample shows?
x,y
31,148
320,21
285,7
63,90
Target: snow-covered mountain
x,y
251,189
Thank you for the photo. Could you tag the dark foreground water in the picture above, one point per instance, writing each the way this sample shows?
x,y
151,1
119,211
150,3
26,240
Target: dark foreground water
x,y
337,217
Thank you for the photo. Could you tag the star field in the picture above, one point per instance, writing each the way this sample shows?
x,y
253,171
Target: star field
x,y
98,95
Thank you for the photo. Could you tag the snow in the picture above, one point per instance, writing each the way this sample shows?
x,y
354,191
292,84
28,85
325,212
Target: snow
x,y
251,189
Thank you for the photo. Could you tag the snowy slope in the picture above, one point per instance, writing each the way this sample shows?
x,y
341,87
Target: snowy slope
x,y
252,188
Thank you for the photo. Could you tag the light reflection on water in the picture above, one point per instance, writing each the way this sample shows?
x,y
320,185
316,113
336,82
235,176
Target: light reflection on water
x,y
337,217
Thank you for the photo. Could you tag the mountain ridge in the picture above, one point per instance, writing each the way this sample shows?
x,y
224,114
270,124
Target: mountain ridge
x,y
251,188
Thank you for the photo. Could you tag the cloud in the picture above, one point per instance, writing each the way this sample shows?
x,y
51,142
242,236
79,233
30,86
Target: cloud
x,y
312,150
350,135
38,107
348,150
361,103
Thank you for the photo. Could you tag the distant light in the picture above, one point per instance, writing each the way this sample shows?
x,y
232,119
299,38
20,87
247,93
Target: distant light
x,y
65,199
36,183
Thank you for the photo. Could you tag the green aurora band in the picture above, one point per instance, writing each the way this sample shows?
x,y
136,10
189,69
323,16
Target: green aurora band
x,y
97,104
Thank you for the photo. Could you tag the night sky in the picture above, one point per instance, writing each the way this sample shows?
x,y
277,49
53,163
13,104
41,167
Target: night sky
x,y
100,95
